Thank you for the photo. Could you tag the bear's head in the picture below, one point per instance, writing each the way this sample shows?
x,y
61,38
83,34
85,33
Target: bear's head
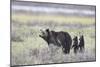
x,y
45,35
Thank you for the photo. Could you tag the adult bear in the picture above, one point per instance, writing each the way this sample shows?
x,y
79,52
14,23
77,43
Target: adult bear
x,y
60,39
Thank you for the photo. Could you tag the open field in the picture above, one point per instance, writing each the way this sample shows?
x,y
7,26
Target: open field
x,y
28,48
59,19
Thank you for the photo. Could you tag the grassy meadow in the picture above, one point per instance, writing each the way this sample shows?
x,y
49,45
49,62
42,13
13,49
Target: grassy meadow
x,y
27,48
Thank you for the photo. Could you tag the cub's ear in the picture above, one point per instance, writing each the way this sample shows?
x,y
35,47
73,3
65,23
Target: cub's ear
x,y
75,37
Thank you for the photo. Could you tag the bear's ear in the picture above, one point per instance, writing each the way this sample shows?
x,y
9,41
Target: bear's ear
x,y
47,30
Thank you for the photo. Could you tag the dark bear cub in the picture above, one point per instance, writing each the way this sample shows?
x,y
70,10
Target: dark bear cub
x,y
75,44
60,39
78,46
81,43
